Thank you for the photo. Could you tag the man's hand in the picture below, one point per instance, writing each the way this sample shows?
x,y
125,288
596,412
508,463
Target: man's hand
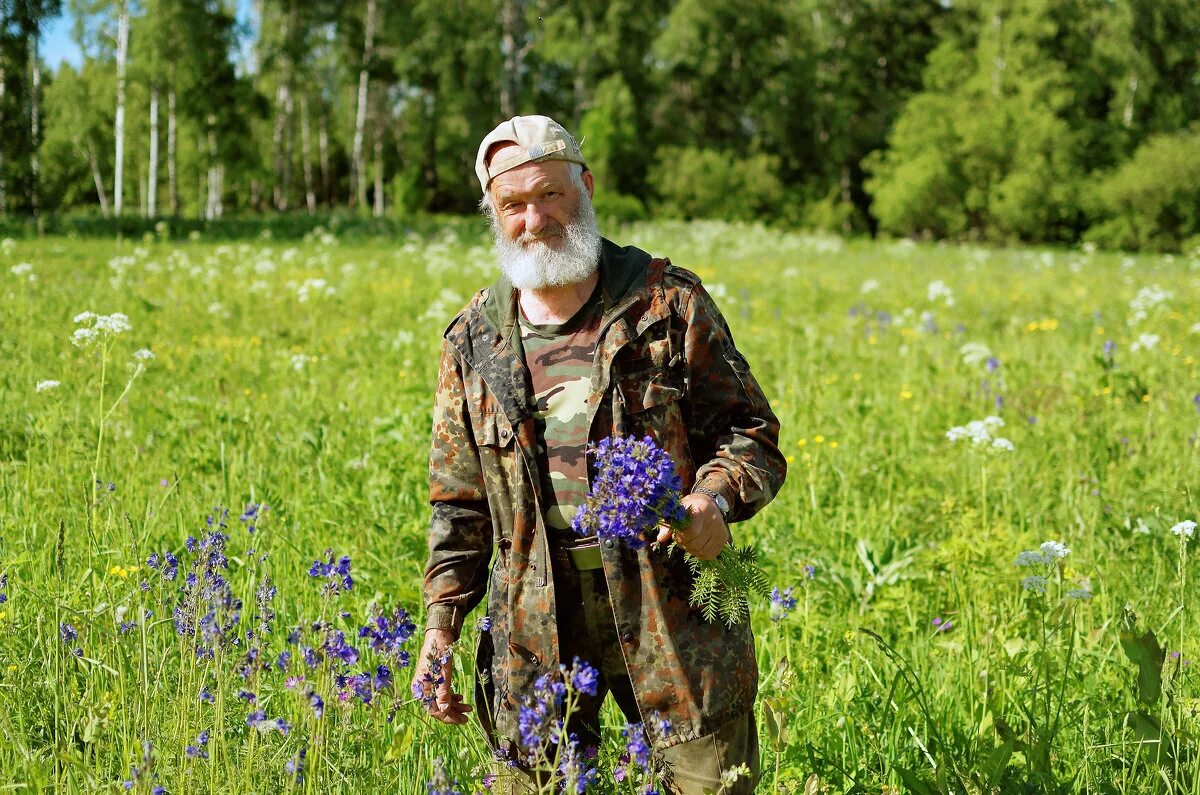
x,y
434,664
707,534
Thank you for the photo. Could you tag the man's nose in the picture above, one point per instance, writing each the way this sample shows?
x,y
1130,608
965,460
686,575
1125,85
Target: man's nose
x,y
535,218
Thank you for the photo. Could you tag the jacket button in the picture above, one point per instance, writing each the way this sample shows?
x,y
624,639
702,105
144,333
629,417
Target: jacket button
x,y
609,543
627,638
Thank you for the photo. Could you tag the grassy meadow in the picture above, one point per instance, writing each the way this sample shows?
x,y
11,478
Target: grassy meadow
x,y
288,388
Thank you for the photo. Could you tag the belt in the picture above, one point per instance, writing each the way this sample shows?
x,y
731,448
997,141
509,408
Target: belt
x,y
585,557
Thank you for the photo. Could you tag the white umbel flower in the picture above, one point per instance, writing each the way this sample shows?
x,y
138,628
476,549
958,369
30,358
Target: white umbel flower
x,y
46,386
1185,529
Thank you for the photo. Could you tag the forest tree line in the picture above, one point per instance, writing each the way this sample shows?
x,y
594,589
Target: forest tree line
x,y
1000,120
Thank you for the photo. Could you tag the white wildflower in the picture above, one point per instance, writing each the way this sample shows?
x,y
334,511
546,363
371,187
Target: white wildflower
x,y
1195,329
1145,342
1000,443
84,317
24,270
116,323
1079,593
46,386
1035,583
299,360
1054,550
313,287
7,245
143,355
1185,529
993,421
869,286
1032,557
84,336
938,290
975,352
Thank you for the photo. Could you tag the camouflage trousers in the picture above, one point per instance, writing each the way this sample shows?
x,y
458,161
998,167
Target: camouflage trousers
x,y
587,629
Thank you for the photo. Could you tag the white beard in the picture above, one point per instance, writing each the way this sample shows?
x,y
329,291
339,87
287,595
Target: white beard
x,y
531,264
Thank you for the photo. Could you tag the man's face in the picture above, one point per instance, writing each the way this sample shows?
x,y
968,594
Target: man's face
x,y
544,225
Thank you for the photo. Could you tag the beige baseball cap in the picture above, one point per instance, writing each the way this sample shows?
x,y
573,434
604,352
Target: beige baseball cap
x,y
538,138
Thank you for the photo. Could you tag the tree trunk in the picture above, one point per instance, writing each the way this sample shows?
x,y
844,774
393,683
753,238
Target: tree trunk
x,y
378,168
152,178
212,208
512,46
360,166
310,196
119,121
172,149
279,194
1127,117
97,177
35,129
3,183
323,148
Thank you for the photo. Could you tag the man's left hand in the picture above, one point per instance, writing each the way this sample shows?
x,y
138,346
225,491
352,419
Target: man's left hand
x,y
706,535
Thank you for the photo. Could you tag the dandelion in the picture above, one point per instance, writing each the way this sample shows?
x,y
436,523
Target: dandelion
x,y
46,386
1185,529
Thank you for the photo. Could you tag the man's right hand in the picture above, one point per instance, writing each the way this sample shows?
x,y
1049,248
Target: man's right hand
x,y
447,705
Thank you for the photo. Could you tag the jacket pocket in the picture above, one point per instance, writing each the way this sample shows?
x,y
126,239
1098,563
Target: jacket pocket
x,y
492,430
643,391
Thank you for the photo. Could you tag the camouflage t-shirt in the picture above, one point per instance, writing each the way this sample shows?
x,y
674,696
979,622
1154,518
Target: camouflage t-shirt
x,y
559,358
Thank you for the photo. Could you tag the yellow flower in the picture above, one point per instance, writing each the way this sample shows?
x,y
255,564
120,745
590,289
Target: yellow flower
x,y
801,442
1099,329
905,394
1146,398
3,614
818,438
790,459
871,340
12,667
119,571
833,445
857,376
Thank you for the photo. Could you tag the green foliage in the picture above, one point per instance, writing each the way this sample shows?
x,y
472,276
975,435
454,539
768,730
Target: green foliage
x,y
706,183
1152,200
723,585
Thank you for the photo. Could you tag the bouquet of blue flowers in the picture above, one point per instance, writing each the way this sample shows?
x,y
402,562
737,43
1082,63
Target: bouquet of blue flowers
x,y
635,490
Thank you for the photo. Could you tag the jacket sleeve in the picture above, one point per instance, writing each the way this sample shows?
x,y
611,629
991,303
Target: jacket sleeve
x,y
733,434
460,532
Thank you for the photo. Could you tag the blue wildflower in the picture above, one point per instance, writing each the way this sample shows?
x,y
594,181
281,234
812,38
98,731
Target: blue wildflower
x,y
295,766
782,603
336,574
387,634
199,750
584,678
3,588
635,488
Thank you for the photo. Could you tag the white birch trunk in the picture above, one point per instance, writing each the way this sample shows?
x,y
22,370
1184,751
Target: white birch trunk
x,y
360,166
310,196
119,121
278,197
212,208
152,177
97,177
172,149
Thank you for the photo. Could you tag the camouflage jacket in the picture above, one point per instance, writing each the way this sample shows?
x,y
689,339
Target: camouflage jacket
x,y
666,366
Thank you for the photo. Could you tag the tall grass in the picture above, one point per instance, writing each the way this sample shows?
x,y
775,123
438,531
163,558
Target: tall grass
x,y
300,376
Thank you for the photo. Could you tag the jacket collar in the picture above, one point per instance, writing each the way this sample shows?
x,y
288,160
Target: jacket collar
x,y
621,270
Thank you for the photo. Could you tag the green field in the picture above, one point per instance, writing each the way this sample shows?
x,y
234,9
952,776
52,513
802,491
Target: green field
x,y
300,374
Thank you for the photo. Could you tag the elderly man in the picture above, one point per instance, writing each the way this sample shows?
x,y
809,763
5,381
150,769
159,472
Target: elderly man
x,y
576,341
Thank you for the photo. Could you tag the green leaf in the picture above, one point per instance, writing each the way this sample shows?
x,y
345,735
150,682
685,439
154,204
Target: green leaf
x,y
1146,653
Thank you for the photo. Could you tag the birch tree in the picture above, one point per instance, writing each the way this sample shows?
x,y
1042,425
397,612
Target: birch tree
x,y
360,119
119,121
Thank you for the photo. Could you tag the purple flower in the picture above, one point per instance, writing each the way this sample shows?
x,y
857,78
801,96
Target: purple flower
x,y
246,695
387,634
441,783
317,703
584,678
942,625
636,745
68,633
207,697
199,749
251,513
295,766
4,583
337,574
259,720
635,488
782,603
1196,401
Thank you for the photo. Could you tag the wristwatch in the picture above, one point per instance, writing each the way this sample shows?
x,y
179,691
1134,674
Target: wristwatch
x,y
722,503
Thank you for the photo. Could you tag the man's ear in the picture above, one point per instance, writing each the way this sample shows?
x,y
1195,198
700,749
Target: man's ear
x,y
589,183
